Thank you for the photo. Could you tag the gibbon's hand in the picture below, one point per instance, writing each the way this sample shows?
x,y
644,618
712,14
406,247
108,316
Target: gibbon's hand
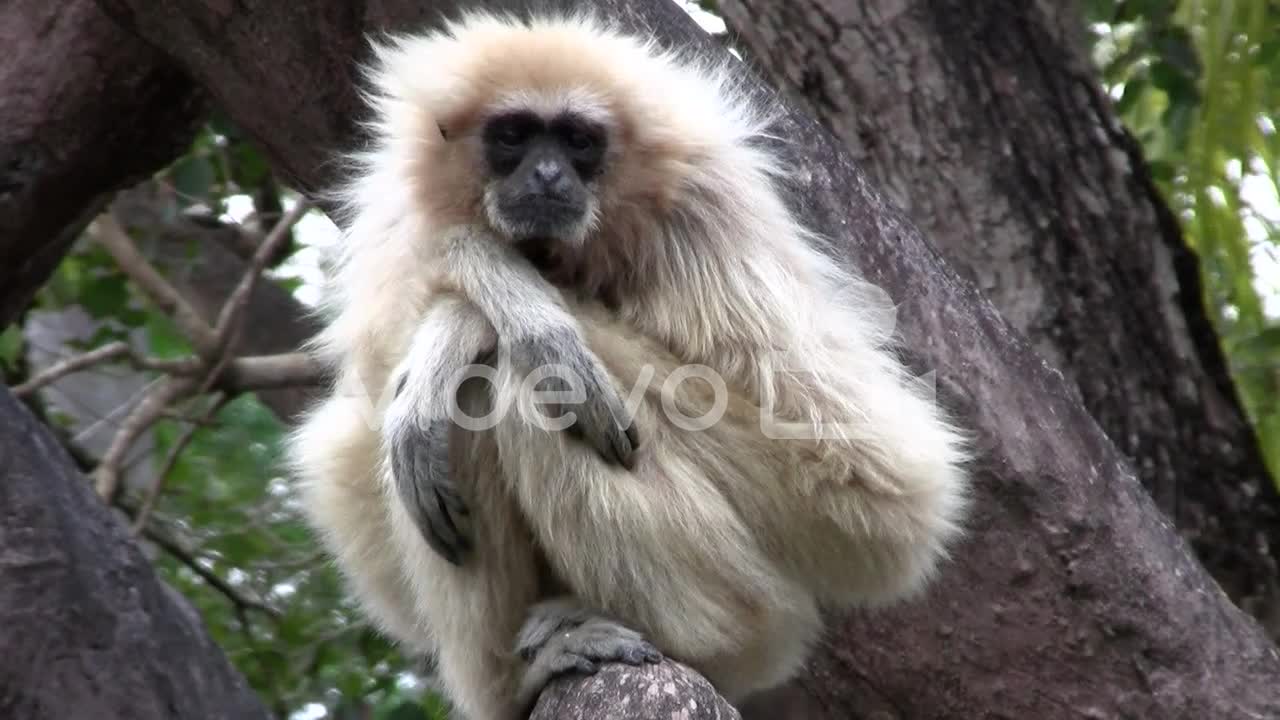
x,y
564,364
419,448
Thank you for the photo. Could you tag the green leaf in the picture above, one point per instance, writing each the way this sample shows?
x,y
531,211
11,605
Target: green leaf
x,y
107,334
1268,51
1134,91
105,296
1261,349
1097,11
1177,49
436,706
11,345
406,711
1269,437
1152,11
1176,82
249,168
164,339
193,176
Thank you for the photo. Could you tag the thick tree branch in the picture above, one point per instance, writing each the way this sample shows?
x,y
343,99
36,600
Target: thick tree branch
x,y
89,630
656,692
1077,248
85,108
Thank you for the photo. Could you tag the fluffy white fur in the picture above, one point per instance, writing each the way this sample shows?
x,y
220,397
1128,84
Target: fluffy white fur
x,y
722,544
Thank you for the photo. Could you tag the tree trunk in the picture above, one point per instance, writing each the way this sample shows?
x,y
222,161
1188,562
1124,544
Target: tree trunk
x,y
90,632
85,109
986,122
1071,596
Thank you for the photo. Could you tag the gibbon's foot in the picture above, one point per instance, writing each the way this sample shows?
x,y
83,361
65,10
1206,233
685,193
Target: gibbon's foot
x,y
560,637
562,363
419,452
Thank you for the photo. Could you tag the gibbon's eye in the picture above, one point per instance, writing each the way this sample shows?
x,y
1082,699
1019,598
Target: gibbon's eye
x,y
583,137
512,136
512,131
580,140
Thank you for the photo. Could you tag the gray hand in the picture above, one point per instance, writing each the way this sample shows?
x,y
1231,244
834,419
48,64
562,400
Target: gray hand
x,y
420,466
601,419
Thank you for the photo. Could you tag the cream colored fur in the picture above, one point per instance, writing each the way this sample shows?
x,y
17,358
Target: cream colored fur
x,y
723,543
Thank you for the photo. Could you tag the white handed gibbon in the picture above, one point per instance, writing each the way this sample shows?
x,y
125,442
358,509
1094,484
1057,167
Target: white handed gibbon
x,y
738,445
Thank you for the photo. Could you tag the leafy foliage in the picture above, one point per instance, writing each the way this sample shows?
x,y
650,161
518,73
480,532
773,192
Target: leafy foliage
x,y
1198,83
226,531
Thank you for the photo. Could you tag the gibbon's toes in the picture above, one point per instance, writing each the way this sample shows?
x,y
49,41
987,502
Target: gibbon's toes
x,y
583,649
603,641
420,466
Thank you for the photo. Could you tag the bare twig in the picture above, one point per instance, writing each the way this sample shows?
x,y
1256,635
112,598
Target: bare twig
x,y
215,365
267,372
111,351
270,246
72,364
117,242
146,413
171,460
231,318
188,558
244,374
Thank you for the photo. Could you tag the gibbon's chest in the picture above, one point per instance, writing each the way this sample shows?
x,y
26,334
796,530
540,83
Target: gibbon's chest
x,y
567,273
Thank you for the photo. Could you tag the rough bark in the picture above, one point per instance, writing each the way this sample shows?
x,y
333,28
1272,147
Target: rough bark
x,y
85,109
90,632
986,123
1071,597
667,691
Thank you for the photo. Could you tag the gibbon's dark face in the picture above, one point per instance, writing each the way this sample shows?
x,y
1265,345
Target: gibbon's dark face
x,y
541,170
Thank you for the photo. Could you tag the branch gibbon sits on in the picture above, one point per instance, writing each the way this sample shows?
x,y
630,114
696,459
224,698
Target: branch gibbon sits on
x,y
553,192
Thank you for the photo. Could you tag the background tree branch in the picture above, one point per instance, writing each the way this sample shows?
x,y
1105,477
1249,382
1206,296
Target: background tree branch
x,y
204,259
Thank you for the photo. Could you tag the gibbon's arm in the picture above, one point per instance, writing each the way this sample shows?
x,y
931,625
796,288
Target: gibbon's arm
x,y
452,336
536,331
508,306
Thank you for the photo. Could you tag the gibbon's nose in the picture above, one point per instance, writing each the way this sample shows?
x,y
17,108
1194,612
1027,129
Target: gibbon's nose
x,y
548,173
